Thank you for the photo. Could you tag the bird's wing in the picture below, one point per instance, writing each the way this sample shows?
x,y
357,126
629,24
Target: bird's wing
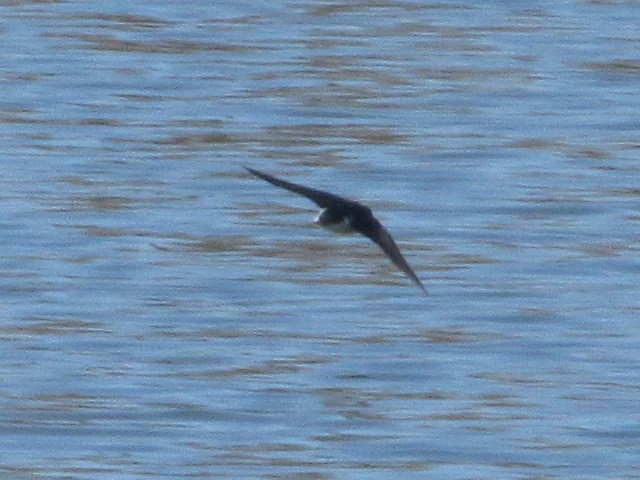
x,y
383,238
320,198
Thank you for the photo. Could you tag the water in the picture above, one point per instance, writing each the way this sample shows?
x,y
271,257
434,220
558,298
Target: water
x,y
166,315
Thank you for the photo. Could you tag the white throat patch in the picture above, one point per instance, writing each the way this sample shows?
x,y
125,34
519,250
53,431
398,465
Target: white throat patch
x,y
342,227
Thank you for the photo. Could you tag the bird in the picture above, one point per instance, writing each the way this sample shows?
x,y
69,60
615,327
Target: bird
x,y
341,215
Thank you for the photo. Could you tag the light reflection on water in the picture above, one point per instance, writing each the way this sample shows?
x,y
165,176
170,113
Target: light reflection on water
x,y
166,315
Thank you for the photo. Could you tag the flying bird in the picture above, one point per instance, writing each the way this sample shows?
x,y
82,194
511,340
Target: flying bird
x,y
342,215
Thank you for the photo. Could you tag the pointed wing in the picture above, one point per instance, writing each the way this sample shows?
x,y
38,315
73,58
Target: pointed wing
x,y
320,198
376,232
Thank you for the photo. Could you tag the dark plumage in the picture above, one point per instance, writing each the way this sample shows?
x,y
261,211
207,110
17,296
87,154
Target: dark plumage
x,y
343,215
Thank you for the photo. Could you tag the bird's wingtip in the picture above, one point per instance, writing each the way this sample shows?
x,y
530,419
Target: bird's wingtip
x,y
422,287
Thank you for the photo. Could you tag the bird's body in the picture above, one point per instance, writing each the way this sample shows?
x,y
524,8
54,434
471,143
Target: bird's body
x,y
335,222
341,215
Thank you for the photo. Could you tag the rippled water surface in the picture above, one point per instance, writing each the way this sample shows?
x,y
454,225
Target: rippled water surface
x,y
166,315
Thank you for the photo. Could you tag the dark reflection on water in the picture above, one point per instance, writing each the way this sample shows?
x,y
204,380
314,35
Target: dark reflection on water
x,y
164,315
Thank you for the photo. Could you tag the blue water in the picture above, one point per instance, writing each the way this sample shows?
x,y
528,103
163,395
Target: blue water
x,y
166,315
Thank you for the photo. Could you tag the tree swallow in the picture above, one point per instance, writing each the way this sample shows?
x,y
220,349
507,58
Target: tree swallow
x,y
341,215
